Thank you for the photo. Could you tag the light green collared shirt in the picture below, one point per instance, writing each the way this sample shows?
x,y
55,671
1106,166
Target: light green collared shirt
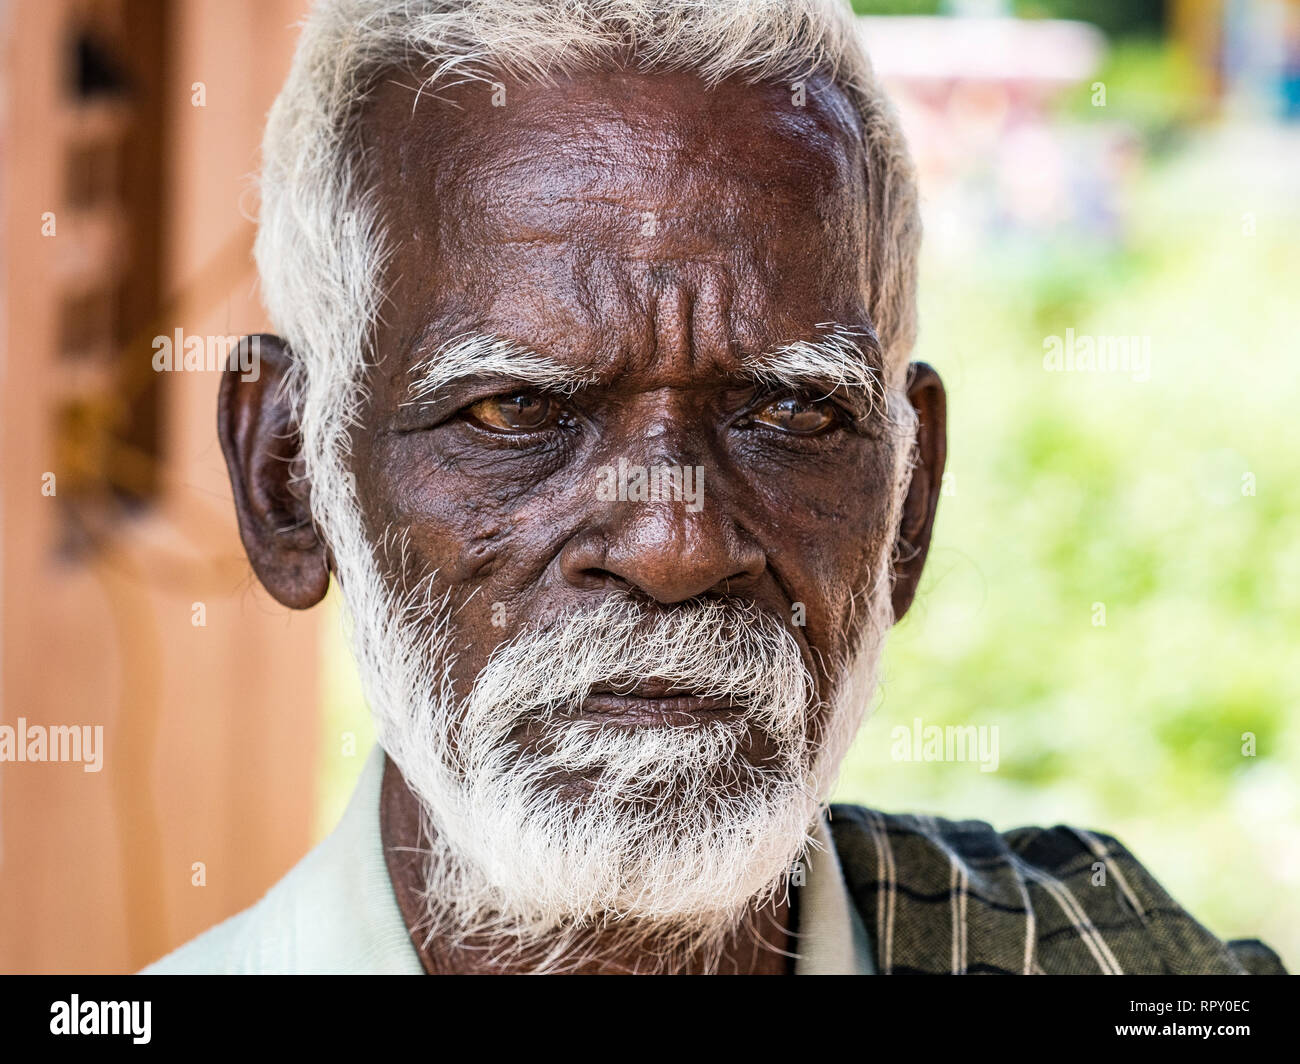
x,y
335,911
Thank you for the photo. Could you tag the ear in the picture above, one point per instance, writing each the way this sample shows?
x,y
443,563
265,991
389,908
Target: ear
x,y
925,393
259,437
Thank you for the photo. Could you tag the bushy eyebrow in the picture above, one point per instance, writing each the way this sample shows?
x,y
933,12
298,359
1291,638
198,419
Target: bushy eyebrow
x,y
483,355
838,360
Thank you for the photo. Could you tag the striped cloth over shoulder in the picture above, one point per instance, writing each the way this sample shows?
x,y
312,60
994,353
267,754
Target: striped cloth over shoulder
x,y
958,897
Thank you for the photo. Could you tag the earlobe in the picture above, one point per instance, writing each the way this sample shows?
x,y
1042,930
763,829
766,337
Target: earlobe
x,y
926,394
259,437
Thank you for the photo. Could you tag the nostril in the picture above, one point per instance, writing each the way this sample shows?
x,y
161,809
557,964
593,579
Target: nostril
x,y
596,577
582,562
668,570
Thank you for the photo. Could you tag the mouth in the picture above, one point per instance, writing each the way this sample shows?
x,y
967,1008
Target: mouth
x,y
651,703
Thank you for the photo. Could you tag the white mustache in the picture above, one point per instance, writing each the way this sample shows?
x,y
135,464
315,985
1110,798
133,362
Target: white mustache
x,y
710,648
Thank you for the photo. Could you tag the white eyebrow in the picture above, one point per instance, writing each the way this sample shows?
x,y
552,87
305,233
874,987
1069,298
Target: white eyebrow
x,y
479,355
837,360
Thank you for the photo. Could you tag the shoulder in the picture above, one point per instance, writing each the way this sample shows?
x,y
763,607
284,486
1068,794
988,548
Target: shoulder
x,y
334,913
946,895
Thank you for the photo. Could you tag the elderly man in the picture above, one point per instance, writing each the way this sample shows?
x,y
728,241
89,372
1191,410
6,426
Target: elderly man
x,y
594,396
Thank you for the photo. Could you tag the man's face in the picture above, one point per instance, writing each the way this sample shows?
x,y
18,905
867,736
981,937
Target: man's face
x,y
628,486
654,238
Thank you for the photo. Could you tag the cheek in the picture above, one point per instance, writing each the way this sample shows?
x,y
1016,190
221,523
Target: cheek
x,y
445,535
828,543
427,520
488,542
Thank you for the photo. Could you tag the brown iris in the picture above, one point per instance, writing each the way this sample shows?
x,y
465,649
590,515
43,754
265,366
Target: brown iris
x,y
516,412
800,417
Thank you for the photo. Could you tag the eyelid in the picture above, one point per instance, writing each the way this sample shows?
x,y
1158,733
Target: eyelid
x,y
491,389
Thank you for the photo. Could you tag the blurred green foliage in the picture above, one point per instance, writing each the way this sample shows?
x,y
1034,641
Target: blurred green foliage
x,y
1118,18
1070,490
1153,87
898,7
1115,17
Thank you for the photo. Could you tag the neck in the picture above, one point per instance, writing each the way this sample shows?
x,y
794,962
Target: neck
x,y
760,944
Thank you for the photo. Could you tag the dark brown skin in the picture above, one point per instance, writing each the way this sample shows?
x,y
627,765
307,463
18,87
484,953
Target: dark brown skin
x,y
528,221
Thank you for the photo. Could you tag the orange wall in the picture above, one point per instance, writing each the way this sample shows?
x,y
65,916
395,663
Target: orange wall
x,y
210,733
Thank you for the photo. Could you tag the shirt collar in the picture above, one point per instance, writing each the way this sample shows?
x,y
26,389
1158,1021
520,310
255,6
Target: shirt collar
x,y
832,938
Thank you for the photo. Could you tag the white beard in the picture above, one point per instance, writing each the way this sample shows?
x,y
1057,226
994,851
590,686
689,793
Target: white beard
x,y
676,838
676,834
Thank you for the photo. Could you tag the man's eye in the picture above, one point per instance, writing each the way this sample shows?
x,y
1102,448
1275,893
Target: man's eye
x,y
797,416
516,412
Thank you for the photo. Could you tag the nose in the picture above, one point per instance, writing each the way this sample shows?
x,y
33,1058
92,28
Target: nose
x,y
664,549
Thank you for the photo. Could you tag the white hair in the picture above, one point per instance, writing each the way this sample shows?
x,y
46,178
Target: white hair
x,y
321,245
320,250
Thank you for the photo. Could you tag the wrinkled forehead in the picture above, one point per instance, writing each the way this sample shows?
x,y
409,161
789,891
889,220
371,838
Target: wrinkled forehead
x,y
587,193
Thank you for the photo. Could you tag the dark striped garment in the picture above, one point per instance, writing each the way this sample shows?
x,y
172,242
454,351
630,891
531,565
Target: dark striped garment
x,y
958,897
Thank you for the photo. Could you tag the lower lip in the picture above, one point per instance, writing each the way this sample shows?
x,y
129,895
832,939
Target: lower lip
x,y
671,711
